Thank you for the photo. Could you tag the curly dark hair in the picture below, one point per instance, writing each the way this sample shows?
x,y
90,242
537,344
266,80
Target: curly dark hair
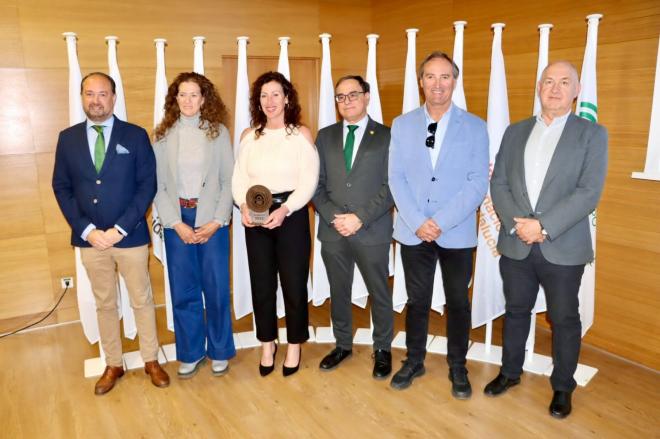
x,y
212,113
292,117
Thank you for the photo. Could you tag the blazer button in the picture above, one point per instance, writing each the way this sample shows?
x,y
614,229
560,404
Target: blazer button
x,y
433,179
98,181
95,201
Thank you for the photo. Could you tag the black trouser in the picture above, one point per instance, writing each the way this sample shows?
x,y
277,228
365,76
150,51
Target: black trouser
x,y
419,264
340,258
284,250
521,280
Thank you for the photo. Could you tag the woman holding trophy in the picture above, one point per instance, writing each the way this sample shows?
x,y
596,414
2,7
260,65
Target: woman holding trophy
x,y
275,176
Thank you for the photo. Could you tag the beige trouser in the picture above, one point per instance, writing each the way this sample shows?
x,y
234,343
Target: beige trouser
x,y
133,265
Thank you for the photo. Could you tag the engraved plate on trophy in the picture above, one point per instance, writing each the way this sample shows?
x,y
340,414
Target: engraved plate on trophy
x,y
258,200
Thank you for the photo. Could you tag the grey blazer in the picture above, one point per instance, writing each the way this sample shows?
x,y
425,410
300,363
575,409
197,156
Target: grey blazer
x,y
363,191
215,199
570,191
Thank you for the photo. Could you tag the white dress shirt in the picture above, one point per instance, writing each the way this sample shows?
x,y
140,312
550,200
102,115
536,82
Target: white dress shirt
x,y
359,133
440,132
539,150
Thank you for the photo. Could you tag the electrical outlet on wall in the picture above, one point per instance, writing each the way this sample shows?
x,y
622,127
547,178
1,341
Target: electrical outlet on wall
x,y
67,282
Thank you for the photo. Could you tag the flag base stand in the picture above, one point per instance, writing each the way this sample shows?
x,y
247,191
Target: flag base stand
x,y
399,341
583,374
247,340
363,336
94,367
537,364
282,339
324,335
486,354
438,345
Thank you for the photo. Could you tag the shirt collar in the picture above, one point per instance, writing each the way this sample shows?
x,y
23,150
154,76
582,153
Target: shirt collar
x,y
430,120
106,123
560,120
362,123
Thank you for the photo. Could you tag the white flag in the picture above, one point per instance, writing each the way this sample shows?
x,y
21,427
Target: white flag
x,y
283,61
410,87
487,296
587,107
86,302
198,54
241,288
124,305
157,238
374,109
458,98
544,47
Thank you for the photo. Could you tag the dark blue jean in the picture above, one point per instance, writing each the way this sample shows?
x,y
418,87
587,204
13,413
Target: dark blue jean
x,y
196,271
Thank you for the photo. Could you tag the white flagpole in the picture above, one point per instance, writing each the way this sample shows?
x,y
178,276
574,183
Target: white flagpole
x,y
123,299
327,116
360,293
544,47
652,164
283,61
157,233
487,296
198,54
242,291
587,107
458,98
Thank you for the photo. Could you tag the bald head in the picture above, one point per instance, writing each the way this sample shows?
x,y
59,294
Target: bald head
x,y
558,88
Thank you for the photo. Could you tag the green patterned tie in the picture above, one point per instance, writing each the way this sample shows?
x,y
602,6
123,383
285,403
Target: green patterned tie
x,y
348,148
99,148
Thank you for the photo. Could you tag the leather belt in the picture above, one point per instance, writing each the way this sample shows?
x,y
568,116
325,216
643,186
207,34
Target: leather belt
x,y
281,197
190,203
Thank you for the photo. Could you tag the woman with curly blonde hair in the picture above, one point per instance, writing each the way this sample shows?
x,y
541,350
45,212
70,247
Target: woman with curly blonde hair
x,y
194,200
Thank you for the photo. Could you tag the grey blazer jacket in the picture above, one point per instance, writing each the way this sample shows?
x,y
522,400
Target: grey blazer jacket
x,y
363,191
215,199
570,191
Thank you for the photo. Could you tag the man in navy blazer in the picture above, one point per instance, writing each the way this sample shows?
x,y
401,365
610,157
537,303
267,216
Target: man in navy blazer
x,y
104,181
548,177
438,176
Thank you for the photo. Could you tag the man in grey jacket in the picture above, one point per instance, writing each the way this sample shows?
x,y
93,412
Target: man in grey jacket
x,y
548,177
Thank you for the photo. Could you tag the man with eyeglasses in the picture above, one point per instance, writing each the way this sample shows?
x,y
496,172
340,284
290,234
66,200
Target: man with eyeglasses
x,y
354,203
438,175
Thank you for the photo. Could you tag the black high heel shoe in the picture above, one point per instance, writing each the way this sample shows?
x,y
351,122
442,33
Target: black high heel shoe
x,y
266,370
288,371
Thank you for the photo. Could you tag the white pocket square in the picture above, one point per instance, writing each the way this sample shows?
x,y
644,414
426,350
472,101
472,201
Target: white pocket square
x,y
121,150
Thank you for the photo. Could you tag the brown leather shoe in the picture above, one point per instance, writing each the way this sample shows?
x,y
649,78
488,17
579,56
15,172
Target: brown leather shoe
x,y
107,381
159,377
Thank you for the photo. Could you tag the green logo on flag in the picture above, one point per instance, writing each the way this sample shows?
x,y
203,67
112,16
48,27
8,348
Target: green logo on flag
x,y
588,111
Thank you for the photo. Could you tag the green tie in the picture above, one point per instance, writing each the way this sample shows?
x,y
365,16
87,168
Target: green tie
x,y
348,148
99,148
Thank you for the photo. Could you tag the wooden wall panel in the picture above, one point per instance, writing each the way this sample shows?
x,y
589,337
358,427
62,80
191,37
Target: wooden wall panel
x,y
627,284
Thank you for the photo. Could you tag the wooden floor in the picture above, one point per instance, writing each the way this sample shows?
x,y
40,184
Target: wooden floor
x,y
44,395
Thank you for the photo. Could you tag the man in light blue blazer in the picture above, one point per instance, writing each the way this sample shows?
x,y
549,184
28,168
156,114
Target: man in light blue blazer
x,y
438,176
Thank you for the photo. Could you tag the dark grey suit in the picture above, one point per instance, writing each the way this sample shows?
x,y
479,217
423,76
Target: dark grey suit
x,y
364,192
570,192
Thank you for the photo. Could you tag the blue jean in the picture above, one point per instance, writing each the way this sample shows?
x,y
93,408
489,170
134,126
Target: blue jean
x,y
197,270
